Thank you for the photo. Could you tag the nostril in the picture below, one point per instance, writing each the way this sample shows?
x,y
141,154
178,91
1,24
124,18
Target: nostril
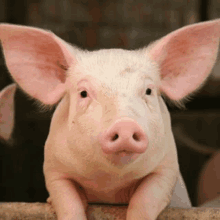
x,y
115,137
136,137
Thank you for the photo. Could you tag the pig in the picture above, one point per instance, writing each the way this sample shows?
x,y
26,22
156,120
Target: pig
x,y
21,165
110,139
6,128
7,111
208,182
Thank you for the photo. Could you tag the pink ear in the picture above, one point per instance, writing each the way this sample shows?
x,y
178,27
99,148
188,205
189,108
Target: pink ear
x,y
186,57
7,111
37,60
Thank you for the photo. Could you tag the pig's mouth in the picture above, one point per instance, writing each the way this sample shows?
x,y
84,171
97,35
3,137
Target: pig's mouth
x,y
123,157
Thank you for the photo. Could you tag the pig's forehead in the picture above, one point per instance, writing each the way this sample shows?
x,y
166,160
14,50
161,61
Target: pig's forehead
x,y
111,65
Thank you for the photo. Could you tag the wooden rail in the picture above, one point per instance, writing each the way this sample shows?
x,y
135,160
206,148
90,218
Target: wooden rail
x,y
43,211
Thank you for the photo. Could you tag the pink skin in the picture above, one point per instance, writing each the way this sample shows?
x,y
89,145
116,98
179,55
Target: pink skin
x,y
84,162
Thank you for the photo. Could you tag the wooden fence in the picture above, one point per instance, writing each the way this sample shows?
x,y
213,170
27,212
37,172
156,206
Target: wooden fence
x,y
41,211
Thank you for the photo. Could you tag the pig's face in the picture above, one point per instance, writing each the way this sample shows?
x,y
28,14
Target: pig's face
x,y
122,86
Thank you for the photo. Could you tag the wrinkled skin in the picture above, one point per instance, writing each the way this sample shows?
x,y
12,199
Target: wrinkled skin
x,y
110,139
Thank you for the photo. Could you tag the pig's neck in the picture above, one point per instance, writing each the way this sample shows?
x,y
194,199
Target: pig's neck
x,y
119,195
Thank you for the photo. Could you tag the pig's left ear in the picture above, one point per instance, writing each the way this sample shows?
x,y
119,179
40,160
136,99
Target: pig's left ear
x,y
186,57
37,60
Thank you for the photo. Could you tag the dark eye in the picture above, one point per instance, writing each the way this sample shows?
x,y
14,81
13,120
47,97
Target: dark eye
x,y
148,91
83,94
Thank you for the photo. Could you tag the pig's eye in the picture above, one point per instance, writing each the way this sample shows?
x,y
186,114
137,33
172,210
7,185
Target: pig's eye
x,y
83,94
148,91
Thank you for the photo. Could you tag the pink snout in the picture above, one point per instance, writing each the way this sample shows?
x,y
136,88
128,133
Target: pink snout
x,y
124,136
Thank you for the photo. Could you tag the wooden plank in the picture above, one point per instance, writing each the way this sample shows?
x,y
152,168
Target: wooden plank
x,y
213,7
124,23
43,211
3,11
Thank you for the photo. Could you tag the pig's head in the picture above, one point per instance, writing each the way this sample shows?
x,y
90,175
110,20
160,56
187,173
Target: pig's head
x,y
7,111
110,115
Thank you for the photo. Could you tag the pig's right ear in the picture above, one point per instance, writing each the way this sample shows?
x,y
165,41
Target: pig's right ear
x,y
37,60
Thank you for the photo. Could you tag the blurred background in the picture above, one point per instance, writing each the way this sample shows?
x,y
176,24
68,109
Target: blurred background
x,y
95,24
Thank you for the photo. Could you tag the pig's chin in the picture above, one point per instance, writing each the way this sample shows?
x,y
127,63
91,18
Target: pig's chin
x,y
122,158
